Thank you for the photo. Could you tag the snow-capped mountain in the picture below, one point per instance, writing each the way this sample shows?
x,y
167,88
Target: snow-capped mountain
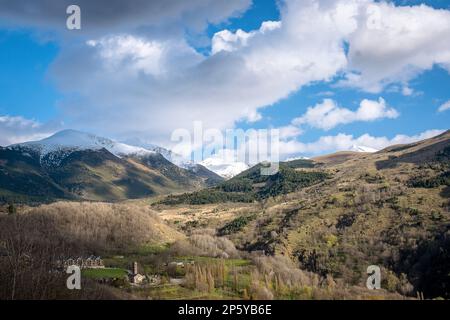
x,y
65,142
363,149
54,149
296,158
225,169
171,156
76,165
166,153
219,166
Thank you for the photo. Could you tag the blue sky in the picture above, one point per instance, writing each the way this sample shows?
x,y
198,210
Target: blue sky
x,y
34,86
418,112
25,87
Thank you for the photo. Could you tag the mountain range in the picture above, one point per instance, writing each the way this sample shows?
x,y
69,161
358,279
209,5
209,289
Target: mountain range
x,y
82,166
76,165
331,216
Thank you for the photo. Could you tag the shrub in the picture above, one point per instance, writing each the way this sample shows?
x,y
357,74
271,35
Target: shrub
x,y
260,292
236,225
238,185
205,245
240,188
12,209
434,182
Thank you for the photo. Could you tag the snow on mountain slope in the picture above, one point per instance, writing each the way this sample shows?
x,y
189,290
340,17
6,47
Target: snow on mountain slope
x,y
296,158
166,153
65,142
171,156
225,169
363,149
54,149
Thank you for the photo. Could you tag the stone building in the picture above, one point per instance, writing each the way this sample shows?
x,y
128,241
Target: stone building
x,y
91,262
135,277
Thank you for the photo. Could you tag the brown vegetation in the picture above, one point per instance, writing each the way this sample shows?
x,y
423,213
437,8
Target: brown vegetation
x,y
34,239
205,245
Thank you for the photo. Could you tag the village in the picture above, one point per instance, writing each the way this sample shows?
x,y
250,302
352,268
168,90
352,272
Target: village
x,y
94,267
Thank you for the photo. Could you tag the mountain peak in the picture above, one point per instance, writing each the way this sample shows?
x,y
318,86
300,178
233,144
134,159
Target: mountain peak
x,y
71,140
67,132
357,148
70,137
226,168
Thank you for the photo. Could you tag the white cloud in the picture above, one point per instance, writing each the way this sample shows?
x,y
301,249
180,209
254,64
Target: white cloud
x,y
141,55
289,132
328,114
134,56
345,142
407,91
370,110
132,85
148,81
165,84
19,129
226,40
290,148
444,107
251,115
393,44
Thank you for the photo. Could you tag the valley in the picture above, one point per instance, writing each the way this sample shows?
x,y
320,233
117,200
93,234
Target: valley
x,y
308,232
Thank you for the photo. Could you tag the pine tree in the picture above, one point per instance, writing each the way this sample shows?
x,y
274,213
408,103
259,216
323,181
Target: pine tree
x,y
12,209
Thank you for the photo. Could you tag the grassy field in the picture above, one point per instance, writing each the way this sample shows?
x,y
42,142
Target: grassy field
x,y
175,292
228,262
106,273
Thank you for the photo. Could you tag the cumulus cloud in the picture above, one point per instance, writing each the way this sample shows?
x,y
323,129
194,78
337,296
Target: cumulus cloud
x,y
133,55
19,129
165,84
328,114
289,132
393,44
147,80
134,84
228,41
141,55
346,142
444,107
255,148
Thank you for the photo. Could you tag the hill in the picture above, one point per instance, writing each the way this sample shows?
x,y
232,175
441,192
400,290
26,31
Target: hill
x,y
250,185
390,208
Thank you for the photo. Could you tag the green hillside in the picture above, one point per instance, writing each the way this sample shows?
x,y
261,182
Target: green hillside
x,y
251,186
